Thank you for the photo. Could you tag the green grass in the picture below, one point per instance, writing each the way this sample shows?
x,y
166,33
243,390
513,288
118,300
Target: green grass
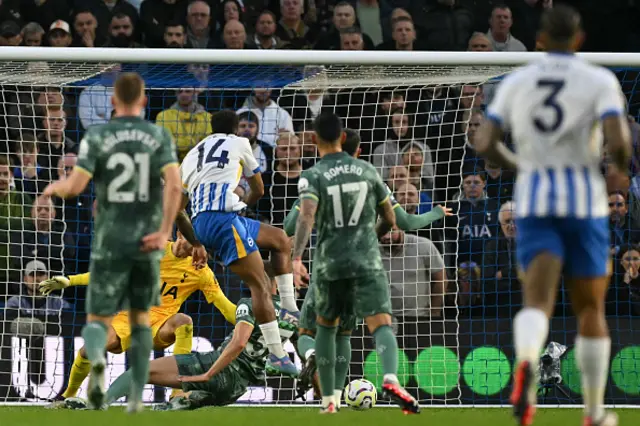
x,y
35,416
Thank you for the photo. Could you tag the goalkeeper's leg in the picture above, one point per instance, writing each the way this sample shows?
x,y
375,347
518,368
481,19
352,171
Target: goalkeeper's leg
x,y
179,329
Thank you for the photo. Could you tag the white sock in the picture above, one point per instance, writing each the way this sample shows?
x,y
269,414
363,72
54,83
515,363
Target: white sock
x,y
271,335
390,378
592,356
326,400
309,353
530,331
337,395
287,292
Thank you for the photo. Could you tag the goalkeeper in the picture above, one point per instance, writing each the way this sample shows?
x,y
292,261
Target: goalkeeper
x,y
179,279
307,331
214,378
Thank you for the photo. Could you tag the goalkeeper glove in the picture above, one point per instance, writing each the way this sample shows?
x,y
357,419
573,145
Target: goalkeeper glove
x,y
56,283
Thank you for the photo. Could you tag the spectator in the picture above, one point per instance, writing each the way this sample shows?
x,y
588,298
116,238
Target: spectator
x,y
291,28
403,34
156,16
32,34
446,27
54,142
198,26
398,175
265,32
499,182
59,34
104,10
248,125
234,35
273,118
408,197
628,282
27,110
471,97
287,169
372,16
43,238
29,176
30,302
417,159
469,291
309,148
44,12
229,10
14,207
86,28
351,39
121,31
620,226
473,122
479,42
344,16
186,120
305,105
94,104
477,218
501,286
416,276
499,33
174,35
10,34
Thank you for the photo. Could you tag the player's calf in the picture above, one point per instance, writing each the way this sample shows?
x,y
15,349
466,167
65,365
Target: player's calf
x,y
276,241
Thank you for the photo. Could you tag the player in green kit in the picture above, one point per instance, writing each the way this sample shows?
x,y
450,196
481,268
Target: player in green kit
x,y
127,159
345,195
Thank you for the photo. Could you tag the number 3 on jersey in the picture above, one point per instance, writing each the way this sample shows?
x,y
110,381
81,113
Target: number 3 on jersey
x,y
554,87
358,189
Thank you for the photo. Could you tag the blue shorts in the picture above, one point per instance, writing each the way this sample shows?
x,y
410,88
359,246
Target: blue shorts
x,y
231,236
582,244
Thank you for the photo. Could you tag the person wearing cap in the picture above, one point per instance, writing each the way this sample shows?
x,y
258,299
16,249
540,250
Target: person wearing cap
x,y
59,34
10,34
32,34
30,301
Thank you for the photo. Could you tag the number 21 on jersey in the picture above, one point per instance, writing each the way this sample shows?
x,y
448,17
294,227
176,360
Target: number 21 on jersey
x,y
352,189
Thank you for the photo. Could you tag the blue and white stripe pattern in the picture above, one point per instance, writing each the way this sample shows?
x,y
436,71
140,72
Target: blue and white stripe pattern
x,y
207,198
569,191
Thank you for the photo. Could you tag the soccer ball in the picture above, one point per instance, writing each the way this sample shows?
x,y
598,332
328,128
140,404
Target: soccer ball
x,y
360,394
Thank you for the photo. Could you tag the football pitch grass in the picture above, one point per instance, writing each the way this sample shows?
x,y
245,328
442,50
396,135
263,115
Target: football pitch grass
x,y
251,416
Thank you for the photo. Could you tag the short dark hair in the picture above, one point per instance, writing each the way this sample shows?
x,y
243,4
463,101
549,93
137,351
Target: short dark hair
x,y
473,171
351,30
129,88
267,12
561,23
249,116
224,121
500,6
351,142
4,161
399,19
328,127
121,15
174,23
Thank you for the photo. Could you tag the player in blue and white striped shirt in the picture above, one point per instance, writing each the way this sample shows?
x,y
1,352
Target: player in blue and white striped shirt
x,y
556,109
210,173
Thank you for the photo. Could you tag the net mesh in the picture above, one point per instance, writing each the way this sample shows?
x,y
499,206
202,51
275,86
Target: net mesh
x,y
453,284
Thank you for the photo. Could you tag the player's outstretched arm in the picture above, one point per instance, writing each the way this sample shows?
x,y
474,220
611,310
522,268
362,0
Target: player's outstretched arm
x,y
69,187
256,186
387,218
410,222
241,334
171,201
489,144
303,229
291,219
618,136
214,294
185,227
61,282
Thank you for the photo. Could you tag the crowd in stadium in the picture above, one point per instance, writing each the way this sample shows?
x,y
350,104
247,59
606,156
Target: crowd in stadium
x,y
420,138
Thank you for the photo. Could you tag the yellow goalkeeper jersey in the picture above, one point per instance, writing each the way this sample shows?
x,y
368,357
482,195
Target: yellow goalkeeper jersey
x,y
179,280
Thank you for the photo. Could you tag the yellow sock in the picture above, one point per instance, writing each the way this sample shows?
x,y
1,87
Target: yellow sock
x,y
184,342
79,372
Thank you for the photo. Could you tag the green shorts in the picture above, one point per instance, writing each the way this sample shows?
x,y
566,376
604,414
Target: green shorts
x,y
225,387
308,314
353,297
118,284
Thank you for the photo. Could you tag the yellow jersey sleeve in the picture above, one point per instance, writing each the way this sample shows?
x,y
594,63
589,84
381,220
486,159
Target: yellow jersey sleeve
x,y
213,293
80,279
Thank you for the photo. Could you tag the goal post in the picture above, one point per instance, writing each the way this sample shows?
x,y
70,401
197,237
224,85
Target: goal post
x,y
452,288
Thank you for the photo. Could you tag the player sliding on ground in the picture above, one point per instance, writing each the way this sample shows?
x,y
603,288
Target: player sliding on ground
x,y
307,327
556,109
345,196
178,280
211,172
127,159
214,378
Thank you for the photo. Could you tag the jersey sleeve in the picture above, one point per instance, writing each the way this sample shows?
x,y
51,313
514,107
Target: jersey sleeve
x,y
213,293
394,202
250,165
610,101
244,312
166,155
308,186
498,110
291,219
87,154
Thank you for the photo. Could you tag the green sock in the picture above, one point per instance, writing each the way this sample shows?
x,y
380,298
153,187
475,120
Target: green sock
x,y
141,345
343,359
119,388
306,343
326,358
387,348
95,340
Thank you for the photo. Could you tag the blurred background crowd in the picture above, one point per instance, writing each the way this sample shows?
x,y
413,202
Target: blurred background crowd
x,y
419,137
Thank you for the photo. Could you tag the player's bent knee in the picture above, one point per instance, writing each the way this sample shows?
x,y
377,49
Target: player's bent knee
x,y
377,320
306,332
181,319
